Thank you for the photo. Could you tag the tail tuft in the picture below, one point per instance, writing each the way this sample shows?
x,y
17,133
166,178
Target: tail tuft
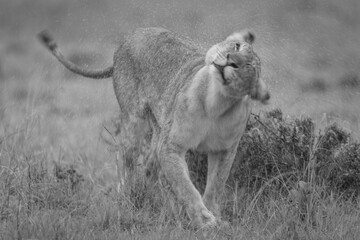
x,y
49,42
46,38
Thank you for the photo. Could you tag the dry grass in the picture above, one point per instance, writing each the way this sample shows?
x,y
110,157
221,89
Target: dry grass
x,y
58,177
44,198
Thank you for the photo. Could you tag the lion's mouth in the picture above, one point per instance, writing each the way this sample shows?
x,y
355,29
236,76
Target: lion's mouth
x,y
219,68
221,71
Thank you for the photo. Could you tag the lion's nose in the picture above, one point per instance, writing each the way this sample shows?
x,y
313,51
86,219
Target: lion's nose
x,y
265,98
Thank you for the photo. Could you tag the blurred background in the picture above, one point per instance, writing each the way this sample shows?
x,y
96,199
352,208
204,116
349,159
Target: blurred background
x,y
310,52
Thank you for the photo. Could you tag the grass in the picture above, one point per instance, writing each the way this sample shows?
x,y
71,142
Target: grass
x,y
59,177
45,197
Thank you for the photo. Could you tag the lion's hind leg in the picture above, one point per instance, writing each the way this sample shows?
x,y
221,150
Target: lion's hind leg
x,y
129,152
150,162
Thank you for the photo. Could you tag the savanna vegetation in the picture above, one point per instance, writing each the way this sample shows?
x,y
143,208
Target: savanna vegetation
x,y
297,170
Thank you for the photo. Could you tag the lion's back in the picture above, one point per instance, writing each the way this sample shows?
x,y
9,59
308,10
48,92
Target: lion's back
x,y
161,47
157,53
150,60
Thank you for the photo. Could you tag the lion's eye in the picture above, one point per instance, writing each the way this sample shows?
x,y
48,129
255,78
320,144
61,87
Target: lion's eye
x,y
250,66
237,46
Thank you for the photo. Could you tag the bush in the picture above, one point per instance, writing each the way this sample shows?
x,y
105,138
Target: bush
x,y
343,170
280,152
315,85
349,81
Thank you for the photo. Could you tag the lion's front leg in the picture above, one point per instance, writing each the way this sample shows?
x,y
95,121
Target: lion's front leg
x,y
219,165
174,167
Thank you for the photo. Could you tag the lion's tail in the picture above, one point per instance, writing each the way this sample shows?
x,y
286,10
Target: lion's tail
x,y
49,42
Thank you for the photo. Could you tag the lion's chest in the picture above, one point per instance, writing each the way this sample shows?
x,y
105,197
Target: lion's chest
x,y
195,130
222,133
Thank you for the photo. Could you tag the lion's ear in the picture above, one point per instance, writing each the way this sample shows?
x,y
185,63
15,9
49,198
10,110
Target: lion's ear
x,y
248,36
243,36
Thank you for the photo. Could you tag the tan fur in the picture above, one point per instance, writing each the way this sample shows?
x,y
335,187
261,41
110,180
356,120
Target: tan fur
x,y
193,99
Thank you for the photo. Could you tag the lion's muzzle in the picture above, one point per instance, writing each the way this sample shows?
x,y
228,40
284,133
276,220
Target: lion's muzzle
x,y
261,92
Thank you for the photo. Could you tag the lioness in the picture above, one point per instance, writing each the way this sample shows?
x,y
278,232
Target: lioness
x,y
194,100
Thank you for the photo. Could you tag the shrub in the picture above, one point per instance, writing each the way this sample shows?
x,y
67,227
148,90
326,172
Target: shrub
x,y
343,171
349,81
280,152
315,85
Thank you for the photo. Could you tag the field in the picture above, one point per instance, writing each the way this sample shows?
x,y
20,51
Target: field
x,y
59,163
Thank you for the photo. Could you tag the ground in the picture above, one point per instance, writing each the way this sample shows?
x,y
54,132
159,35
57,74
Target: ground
x,y
50,117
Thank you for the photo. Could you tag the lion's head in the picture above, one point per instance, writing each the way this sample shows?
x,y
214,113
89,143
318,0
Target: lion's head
x,y
239,66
